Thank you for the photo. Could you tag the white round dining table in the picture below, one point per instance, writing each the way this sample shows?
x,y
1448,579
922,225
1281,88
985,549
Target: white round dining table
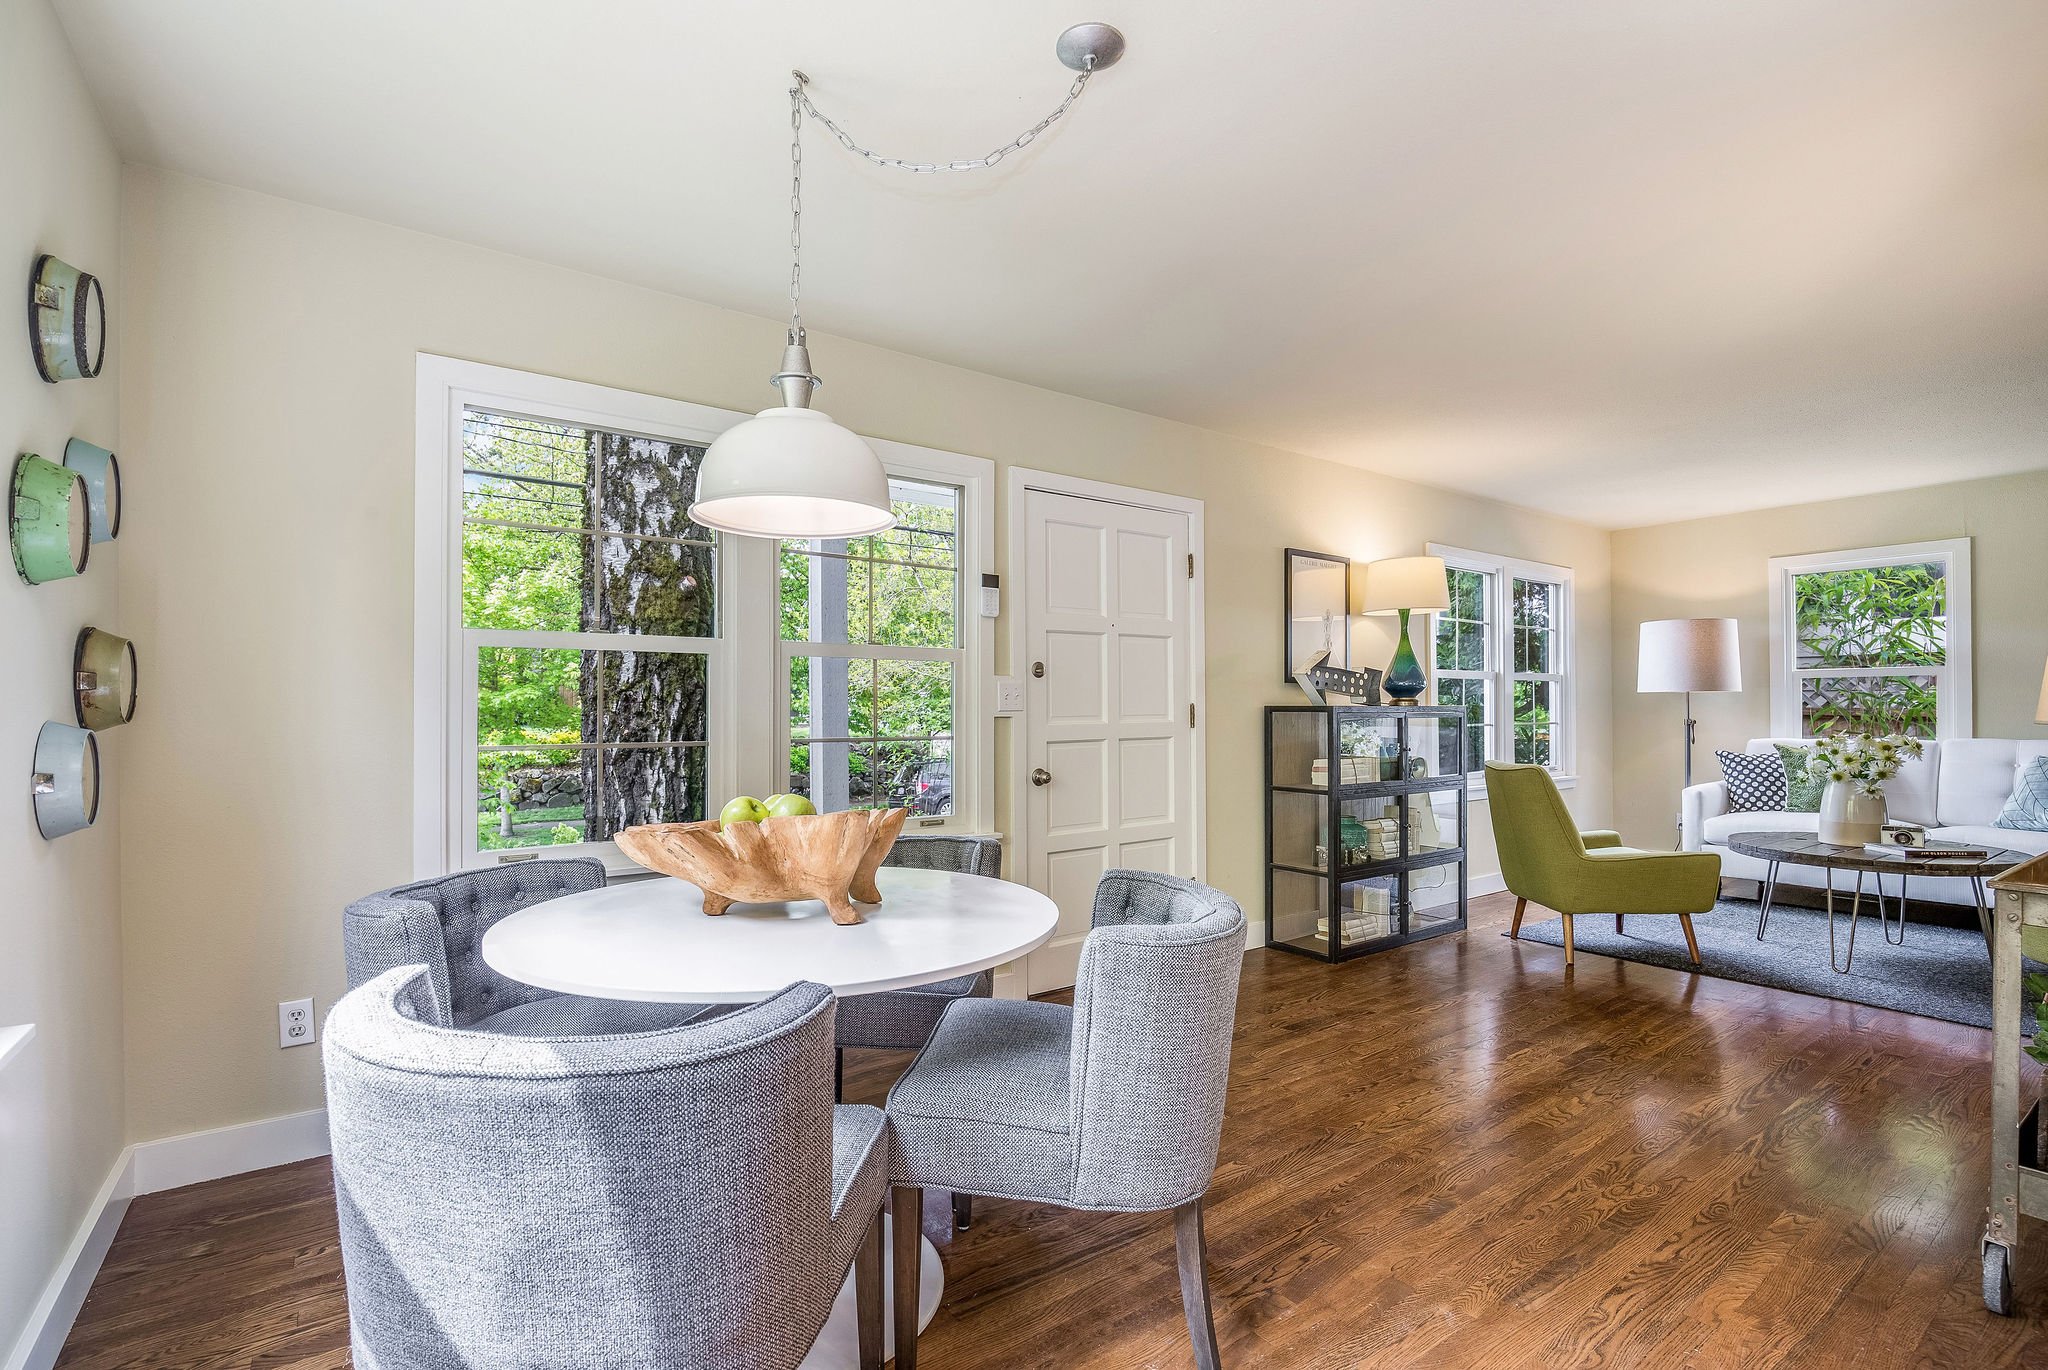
x,y
651,940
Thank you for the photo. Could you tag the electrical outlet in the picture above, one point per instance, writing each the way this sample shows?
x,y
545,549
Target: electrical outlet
x,y
295,1025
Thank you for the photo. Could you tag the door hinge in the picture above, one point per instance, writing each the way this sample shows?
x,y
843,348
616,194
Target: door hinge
x,y
1191,715
1191,566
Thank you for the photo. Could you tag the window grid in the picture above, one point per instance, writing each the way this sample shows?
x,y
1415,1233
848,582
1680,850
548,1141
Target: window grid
x,y
577,792
1520,614
907,767
1873,639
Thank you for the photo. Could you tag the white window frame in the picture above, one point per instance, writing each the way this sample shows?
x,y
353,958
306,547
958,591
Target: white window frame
x,y
744,658
973,718
1955,712
1501,674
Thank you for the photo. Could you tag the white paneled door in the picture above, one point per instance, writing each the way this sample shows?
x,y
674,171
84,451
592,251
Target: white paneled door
x,y
1109,706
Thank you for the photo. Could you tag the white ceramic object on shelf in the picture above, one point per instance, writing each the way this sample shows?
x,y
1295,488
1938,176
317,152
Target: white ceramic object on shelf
x,y
1848,816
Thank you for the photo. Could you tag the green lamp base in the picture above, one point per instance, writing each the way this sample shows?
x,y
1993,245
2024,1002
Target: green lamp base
x,y
1404,681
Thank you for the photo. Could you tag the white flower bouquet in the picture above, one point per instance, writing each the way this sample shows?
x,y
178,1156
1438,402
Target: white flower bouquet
x,y
1865,762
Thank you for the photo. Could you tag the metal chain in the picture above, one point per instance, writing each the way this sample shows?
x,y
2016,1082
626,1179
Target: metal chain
x,y
1016,144
796,209
800,104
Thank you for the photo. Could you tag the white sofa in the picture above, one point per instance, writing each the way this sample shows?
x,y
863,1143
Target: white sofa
x,y
1955,791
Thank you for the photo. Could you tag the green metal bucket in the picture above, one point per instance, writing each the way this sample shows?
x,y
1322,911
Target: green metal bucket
x,y
67,321
49,520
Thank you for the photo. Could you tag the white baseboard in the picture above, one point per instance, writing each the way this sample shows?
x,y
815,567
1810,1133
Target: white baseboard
x,y
49,1322
1477,885
146,1168
196,1157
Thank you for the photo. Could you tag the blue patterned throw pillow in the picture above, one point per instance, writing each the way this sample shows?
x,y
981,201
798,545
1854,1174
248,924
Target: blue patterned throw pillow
x,y
1756,781
2027,810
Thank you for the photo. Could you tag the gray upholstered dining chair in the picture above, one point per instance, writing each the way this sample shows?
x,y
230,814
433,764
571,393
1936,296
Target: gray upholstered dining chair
x,y
1113,1105
903,1019
688,1199
441,923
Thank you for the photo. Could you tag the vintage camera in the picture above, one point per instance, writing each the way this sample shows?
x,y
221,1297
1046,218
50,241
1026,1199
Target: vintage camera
x,y
1902,835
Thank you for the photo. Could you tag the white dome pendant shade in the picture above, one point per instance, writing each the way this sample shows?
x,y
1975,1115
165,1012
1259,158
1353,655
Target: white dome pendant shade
x,y
790,472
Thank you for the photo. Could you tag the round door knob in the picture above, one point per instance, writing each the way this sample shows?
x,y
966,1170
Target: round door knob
x,y
1041,776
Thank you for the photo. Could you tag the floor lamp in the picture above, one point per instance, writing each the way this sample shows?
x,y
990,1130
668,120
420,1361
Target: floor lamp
x,y
1688,656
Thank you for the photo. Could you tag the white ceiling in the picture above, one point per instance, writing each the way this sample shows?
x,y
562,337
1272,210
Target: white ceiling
x,y
1626,262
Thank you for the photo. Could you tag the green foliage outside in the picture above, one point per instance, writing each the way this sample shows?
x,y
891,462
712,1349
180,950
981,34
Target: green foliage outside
x,y
901,591
1895,616
1461,645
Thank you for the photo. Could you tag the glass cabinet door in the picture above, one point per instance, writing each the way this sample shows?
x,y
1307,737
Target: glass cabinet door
x,y
1434,822
1370,749
1368,909
1435,748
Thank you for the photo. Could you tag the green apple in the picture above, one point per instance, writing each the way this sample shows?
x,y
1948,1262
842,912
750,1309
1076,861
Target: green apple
x,y
789,806
742,809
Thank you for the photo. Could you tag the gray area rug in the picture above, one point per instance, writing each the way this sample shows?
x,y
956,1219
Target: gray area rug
x,y
1940,972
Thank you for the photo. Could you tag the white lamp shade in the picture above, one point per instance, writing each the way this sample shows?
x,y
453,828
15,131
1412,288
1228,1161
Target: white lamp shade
x,y
792,473
2041,710
1677,655
1401,583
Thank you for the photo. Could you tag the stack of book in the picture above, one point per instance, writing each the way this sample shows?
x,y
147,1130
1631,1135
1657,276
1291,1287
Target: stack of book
x,y
1369,914
1382,838
1355,770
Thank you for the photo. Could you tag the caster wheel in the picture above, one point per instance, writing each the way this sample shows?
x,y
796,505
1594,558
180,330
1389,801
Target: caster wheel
x,y
1998,1279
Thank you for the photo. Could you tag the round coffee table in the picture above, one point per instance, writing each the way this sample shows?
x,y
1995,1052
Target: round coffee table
x,y
1805,849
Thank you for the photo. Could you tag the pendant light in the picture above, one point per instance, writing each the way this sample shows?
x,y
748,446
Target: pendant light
x,y
790,472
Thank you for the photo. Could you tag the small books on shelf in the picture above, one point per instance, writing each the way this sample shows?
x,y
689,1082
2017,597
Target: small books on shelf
x,y
1933,851
1356,770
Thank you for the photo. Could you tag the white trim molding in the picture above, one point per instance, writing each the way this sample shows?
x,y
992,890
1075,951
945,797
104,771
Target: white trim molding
x,y
1955,708
148,1168
49,1322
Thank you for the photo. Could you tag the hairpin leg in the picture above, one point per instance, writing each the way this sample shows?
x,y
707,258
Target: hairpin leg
x,y
1886,927
1770,892
1855,907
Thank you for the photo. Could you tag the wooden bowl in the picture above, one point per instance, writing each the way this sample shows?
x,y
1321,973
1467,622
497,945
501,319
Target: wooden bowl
x,y
828,856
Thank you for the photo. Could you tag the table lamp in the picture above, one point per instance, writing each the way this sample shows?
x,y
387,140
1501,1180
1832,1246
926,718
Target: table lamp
x,y
1688,655
1402,585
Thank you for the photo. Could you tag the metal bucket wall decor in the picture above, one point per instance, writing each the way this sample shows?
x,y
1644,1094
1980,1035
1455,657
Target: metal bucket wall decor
x,y
66,782
103,674
49,520
102,472
67,321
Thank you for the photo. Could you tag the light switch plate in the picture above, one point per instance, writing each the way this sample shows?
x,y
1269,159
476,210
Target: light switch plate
x,y
1009,695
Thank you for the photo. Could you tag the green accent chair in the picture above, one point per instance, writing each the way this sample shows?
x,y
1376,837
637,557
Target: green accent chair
x,y
1546,860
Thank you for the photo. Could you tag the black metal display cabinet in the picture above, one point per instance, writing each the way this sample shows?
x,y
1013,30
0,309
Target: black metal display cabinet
x,y
1366,814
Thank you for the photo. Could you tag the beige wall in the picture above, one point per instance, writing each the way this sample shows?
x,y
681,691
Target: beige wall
x,y
271,394
1717,568
60,1100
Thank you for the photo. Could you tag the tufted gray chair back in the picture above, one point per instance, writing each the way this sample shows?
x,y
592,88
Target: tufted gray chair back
x,y
441,924
658,1201
968,855
1155,1001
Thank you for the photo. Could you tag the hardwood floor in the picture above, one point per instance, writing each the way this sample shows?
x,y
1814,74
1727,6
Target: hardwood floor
x,y
1449,1155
